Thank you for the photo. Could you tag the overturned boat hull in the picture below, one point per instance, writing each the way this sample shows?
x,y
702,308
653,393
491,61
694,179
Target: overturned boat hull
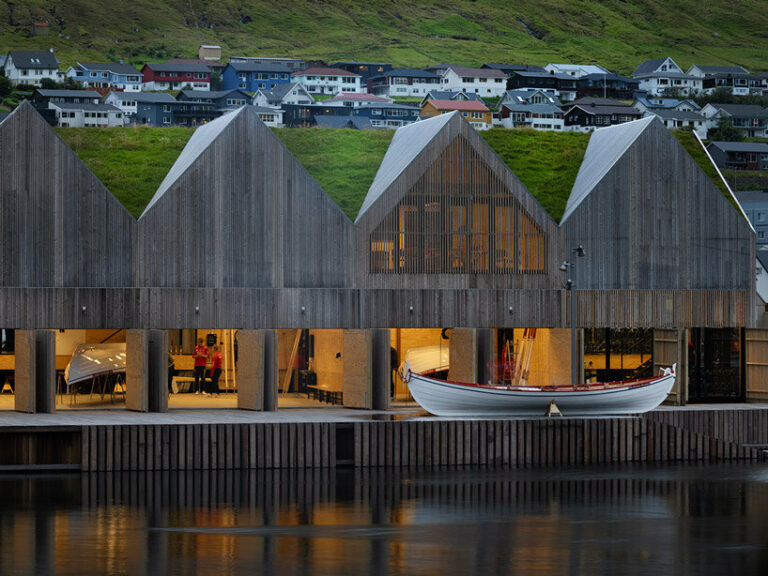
x,y
90,360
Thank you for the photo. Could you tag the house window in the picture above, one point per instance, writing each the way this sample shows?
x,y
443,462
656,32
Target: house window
x,y
166,107
166,119
94,74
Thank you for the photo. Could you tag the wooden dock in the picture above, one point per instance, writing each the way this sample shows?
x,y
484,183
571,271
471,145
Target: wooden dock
x,y
327,439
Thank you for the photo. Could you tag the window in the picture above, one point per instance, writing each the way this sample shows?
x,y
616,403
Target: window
x,y
166,107
348,80
166,119
94,74
468,80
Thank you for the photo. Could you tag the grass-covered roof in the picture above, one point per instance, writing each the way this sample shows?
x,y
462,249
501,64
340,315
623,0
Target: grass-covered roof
x,y
132,162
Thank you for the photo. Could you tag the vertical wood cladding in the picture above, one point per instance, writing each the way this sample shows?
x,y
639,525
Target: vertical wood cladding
x,y
455,217
245,213
656,222
59,226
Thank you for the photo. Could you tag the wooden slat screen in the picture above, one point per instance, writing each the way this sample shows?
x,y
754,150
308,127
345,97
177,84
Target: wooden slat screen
x,y
459,218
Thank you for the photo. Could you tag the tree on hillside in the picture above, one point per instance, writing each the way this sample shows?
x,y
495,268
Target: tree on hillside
x,y
725,132
5,87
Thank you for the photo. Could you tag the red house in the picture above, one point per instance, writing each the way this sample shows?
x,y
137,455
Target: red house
x,y
175,76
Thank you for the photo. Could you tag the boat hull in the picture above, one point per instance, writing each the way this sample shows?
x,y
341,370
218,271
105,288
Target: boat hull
x,y
460,400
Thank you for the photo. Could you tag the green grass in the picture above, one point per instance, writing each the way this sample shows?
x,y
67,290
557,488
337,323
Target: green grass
x,y
692,146
131,162
343,162
616,33
545,162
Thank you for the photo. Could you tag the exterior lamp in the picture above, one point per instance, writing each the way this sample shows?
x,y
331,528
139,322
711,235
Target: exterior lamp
x,y
568,266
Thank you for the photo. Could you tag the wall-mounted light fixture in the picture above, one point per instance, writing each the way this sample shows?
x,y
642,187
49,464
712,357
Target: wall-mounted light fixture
x,y
83,309
197,309
410,309
303,309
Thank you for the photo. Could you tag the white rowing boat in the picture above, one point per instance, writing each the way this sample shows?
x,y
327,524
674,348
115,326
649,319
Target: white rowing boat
x,y
457,399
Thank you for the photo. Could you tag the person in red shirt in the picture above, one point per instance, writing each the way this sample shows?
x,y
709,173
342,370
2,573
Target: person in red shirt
x,y
216,362
200,354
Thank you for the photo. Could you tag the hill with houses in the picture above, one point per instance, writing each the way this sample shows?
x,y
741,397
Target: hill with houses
x,y
616,33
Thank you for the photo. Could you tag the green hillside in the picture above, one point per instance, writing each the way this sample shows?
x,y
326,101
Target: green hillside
x,y
616,33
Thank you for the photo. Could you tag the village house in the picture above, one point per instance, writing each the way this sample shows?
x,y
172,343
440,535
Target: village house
x,y
86,114
175,76
561,85
221,99
31,67
664,75
751,119
755,205
355,100
644,102
106,76
680,119
476,113
450,95
369,115
322,80
292,93
739,155
535,109
404,82
253,76
128,102
485,82
758,84
209,52
735,79
367,70
577,70
609,85
294,64
586,114
509,68
175,113
45,96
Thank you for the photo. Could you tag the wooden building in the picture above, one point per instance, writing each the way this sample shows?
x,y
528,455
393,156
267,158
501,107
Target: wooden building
x,y
240,236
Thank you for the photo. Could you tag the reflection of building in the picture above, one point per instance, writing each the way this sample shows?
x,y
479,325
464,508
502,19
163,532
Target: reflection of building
x,y
240,235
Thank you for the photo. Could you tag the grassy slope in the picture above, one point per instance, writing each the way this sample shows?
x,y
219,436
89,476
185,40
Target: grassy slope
x,y
616,33
131,162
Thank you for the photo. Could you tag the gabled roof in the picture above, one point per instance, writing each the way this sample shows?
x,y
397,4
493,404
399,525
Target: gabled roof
x,y
280,91
56,93
649,66
477,72
534,108
197,144
114,67
451,95
259,67
324,71
522,96
33,59
748,110
590,101
711,69
85,106
605,148
609,76
357,97
208,95
672,114
177,67
146,97
740,146
544,74
653,102
514,67
463,105
409,73
586,68
406,144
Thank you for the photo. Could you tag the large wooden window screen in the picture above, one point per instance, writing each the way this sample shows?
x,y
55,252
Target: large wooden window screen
x,y
459,218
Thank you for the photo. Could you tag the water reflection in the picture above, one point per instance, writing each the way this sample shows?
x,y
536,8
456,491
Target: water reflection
x,y
631,519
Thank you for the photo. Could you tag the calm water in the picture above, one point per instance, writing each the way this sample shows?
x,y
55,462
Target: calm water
x,y
622,520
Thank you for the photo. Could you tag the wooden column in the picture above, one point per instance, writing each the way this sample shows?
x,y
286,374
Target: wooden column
x,y
671,347
25,371
486,355
45,371
256,370
381,369
157,371
756,361
271,372
136,370
463,346
357,380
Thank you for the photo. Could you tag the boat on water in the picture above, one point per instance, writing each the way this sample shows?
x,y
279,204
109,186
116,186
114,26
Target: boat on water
x,y
459,399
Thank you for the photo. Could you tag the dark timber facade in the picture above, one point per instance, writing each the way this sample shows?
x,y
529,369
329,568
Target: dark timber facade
x,y
240,236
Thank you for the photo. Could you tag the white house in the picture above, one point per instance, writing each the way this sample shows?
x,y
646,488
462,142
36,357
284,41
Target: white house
x,y
87,115
749,118
128,102
270,116
31,67
107,75
644,103
294,93
404,82
663,74
321,80
577,70
485,82
355,100
733,78
681,119
537,109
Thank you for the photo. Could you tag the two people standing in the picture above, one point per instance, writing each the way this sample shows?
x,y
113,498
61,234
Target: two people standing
x,y
201,354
